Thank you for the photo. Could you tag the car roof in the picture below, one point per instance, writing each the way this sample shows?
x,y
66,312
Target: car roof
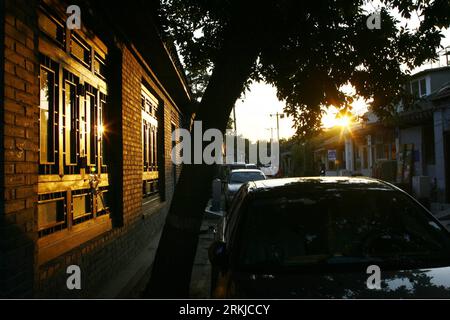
x,y
247,170
319,184
233,164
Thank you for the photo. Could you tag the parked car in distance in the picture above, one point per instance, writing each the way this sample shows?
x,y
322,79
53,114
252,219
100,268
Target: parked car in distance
x,y
237,178
222,171
316,238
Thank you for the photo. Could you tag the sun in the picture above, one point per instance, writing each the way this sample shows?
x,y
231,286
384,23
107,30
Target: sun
x,y
332,118
343,121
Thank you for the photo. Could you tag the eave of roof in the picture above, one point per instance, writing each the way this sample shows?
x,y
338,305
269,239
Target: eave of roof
x,y
138,25
428,71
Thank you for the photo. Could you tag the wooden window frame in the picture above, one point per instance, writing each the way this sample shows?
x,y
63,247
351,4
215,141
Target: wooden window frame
x,y
150,176
71,74
77,39
71,125
53,111
45,13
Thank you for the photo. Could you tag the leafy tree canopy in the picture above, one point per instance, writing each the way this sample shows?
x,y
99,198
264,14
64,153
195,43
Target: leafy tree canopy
x,y
309,49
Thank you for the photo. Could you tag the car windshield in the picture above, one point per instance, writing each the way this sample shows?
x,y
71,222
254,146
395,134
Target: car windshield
x,y
340,227
243,177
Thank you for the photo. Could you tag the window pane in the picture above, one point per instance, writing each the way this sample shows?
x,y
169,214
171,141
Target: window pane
x,y
415,89
100,130
71,142
46,140
149,143
144,147
329,227
52,28
80,50
153,148
423,87
91,109
243,177
83,129
50,213
99,66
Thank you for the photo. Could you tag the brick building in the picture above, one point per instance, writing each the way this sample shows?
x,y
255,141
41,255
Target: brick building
x,y
80,107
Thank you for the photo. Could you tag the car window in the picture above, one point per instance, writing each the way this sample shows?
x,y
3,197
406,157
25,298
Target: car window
x,y
340,227
243,177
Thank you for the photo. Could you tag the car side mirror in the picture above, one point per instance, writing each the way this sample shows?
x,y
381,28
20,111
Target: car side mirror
x,y
217,254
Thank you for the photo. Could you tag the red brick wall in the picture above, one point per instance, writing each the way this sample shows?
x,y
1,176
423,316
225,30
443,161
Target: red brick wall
x,y
20,130
133,74
132,137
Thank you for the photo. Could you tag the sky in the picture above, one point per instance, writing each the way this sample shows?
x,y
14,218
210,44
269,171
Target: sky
x,y
253,114
253,110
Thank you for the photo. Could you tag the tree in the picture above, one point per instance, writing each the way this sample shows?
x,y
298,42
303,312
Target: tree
x,y
307,50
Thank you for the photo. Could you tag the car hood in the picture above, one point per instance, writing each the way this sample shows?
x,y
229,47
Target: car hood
x,y
234,187
417,283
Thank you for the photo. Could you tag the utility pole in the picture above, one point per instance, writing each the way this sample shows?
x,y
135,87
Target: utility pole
x,y
278,115
234,118
271,134
447,54
235,135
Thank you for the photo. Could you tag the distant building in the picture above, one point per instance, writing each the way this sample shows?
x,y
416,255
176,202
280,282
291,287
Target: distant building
x,y
413,152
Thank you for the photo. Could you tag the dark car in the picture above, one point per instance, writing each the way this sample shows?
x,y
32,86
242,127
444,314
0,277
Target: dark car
x,y
316,238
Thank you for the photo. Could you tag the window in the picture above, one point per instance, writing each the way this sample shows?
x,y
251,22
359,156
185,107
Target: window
x,y
99,65
100,132
419,88
423,87
71,117
52,28
48,117
81,122
149,106
51,213
92,125
275,236
80,50
243,177
56,211
71,123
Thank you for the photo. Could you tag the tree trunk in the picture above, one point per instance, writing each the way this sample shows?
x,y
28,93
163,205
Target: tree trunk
x,y
175,255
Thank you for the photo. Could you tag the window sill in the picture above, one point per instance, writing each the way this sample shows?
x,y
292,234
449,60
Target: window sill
x,y
58,243
55,183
